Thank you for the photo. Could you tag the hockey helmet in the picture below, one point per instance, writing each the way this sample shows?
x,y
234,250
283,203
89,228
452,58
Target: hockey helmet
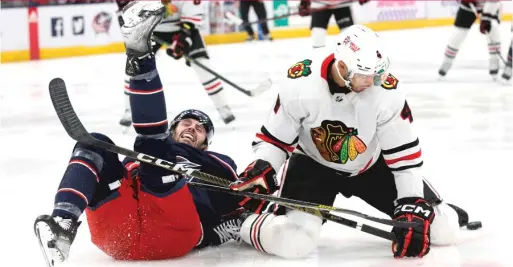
x,y
198,115
360,48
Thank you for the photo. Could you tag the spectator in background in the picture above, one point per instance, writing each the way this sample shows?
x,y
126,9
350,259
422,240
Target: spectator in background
x,y
261,13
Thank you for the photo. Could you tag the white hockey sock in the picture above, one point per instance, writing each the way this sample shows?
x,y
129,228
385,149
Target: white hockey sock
x,y
212,85
455,42
318,37
494,47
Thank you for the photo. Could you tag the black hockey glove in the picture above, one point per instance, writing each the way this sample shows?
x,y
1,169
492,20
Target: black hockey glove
x,y
181,42
414,241
259,177
304,8
486,23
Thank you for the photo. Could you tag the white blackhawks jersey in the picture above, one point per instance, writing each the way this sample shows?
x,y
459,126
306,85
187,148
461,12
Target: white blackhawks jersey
x,y
181,11
343,130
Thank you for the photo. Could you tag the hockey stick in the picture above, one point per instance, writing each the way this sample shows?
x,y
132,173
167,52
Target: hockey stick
x,y
231,17
323,214
76,131
262,87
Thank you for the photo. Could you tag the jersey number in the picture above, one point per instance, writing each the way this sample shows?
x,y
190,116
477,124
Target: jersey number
x,y
406,112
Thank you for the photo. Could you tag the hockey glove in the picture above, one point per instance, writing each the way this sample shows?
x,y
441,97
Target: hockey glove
x,y
486,23
414,241
363,2
259,177
304,8
181,42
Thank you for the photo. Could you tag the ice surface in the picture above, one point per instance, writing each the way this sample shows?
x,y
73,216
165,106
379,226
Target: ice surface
x,y
464,123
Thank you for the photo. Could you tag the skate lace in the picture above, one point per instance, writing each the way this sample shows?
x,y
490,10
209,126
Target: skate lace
x,y
229,230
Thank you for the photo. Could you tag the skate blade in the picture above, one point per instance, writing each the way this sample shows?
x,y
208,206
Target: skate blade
x,y
44,234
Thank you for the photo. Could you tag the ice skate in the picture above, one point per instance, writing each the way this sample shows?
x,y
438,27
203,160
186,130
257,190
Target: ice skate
x,y
226,114
55,236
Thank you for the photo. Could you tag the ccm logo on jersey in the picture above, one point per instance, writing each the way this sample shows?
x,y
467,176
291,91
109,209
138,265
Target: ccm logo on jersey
x,y
412,209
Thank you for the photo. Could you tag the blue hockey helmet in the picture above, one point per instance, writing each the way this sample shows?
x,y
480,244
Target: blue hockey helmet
x,y
198,115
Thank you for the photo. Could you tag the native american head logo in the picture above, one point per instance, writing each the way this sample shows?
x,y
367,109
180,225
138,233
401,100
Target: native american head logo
x,y
336,142
300,69
390,82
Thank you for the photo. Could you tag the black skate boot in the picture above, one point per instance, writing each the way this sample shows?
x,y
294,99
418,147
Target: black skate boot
x,y
140,19
55,236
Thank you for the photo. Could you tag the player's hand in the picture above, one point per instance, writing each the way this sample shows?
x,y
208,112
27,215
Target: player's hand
x,y
259,177
304,8
362,2
181,42
486,23
414,241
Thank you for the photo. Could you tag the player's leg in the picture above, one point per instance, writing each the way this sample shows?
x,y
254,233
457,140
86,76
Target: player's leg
x,y
244,15
465,17
494,45
213,86
169,223
261,13
294,234
92,175
319,26
506,75
343,17
377,187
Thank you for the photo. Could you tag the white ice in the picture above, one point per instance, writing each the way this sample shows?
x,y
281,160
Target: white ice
x,y
463,122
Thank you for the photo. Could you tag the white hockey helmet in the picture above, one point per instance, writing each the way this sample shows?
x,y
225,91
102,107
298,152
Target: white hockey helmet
x,y
360,49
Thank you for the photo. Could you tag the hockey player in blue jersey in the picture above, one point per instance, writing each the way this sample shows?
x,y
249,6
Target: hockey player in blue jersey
x,y
136,211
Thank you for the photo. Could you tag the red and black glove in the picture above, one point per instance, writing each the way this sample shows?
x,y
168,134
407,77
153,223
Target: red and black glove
x,y
259,177
181,42
413,241
486,23
304,8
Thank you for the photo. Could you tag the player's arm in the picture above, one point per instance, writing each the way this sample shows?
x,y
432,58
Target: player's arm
x,y
403,155
272,146
191,17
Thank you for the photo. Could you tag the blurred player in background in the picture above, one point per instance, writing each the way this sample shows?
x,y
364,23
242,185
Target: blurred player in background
x,y
506,75
261,13
180,30
489,26
321,19
136,211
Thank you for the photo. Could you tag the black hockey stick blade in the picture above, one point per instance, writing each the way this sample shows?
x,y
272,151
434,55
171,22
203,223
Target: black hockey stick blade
x,y
76,130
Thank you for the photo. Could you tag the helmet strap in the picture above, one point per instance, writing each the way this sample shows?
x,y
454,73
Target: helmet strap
x,y
347,83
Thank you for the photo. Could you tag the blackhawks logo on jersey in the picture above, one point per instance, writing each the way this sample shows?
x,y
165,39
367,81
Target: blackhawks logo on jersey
x,y
336,142
390,82
300,69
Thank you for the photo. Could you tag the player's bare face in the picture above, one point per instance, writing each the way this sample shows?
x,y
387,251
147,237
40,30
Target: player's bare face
x,y
191,132
361,82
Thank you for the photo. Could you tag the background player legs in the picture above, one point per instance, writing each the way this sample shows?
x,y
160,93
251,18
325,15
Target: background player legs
x,y
244,15
261,13
464,20
494,46
506,75
319,26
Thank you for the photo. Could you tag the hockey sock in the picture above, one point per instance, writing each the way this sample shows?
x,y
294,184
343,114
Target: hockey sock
x,y
494,47
318,37
78,184
455,42
127,93
213,86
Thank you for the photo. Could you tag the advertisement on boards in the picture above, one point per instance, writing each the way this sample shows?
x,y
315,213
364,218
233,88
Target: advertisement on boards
x,y
78,25
387,10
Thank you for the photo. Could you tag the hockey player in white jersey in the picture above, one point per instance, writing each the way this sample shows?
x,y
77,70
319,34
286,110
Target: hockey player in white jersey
x,y
180,29
489,26
321,19
344,127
